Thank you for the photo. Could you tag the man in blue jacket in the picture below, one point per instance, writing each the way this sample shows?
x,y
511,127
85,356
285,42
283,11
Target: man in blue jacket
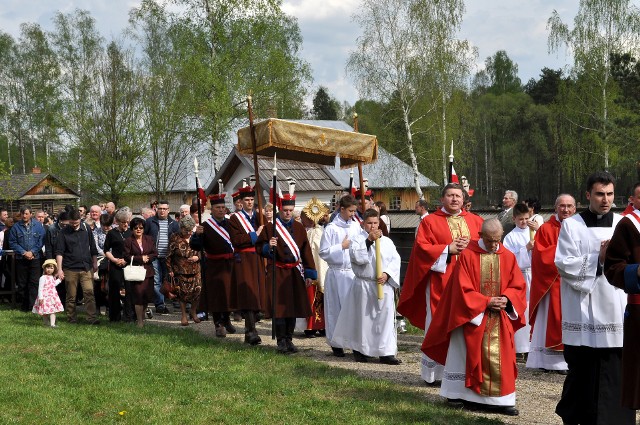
x,y
160,227
26,238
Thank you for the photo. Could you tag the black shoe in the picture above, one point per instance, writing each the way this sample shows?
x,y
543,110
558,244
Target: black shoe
x,y
509,411
309,333
252,338
392,360
322,332
562,372
455,403
290,347
162,310
433,384
359,357
230,328
282,347
338,352
147,313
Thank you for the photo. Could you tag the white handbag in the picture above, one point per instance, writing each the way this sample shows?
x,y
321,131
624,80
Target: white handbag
x,y
134,273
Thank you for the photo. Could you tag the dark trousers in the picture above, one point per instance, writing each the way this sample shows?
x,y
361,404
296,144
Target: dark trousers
x,y
27,276
116,309
592,389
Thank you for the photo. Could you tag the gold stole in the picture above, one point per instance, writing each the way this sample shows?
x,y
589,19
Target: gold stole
x,y
490,287
458,226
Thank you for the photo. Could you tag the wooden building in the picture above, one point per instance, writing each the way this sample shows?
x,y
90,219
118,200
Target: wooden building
x,y
37,190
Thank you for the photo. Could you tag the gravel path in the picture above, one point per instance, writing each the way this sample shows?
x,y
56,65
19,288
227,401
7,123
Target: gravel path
x,y
537,392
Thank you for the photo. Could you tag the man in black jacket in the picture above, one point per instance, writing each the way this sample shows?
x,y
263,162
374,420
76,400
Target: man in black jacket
x,y
76,255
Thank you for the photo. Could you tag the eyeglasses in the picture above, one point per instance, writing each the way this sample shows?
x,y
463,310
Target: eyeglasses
x,y
138,228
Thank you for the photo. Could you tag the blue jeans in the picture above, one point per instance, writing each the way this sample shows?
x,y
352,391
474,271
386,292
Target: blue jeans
x,y
160,272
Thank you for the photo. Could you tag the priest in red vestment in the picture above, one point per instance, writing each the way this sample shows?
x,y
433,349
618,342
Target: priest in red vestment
x,y
545,310
441,237
472,330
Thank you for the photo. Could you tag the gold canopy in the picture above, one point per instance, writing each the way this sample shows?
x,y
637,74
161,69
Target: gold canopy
x,y
309,143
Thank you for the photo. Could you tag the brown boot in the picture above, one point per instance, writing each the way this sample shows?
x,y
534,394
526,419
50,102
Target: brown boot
x,y
281,332
250,334
290,327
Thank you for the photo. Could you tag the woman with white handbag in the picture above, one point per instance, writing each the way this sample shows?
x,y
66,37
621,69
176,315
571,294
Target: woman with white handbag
x,y
140,251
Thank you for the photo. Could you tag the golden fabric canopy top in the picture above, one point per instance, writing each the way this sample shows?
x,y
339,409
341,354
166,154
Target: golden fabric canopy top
x,y
309,143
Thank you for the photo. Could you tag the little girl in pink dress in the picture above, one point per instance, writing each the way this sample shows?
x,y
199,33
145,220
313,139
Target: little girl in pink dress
x,y
48,302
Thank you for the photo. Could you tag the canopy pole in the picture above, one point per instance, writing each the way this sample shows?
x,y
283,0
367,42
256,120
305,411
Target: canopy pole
x,y
256,171
362,204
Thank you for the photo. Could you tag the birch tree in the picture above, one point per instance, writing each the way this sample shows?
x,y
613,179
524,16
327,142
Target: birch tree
x,y
601,29
408,50
79,48
164,102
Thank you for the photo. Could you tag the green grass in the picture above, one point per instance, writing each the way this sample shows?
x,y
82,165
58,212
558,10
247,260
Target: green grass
x,y
118,374
413,330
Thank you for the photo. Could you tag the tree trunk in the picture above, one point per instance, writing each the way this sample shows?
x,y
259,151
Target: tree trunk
x,y
412,154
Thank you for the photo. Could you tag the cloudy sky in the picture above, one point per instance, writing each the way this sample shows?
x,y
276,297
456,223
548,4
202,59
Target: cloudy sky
x,y
517,26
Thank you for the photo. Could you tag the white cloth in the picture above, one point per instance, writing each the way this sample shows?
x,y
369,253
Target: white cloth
x,y
339,277
366,324
387,221
314,235
516,241
541,357
430,370
592,309
455,374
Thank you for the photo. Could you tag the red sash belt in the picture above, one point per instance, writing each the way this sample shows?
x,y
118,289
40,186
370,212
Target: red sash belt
x,y
219,256
633,299
287,265
252,249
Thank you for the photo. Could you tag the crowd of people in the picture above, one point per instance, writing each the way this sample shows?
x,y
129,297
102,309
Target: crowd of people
x,y
560,295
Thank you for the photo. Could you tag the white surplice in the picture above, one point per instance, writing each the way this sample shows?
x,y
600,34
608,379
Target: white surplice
x,y
366,324
516,241
592,309
339,277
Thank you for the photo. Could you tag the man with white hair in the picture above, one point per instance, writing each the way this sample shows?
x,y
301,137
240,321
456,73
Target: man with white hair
x,y
184,210
509,200
472,329
545,311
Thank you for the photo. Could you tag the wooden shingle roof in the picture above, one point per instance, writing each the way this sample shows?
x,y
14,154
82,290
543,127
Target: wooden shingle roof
x,y
18,185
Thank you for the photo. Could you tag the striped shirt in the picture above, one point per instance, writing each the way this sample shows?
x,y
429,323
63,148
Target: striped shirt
x,y
162,244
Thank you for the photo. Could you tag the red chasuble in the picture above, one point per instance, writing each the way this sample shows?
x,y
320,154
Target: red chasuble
x,y
491,359
545,280
435,232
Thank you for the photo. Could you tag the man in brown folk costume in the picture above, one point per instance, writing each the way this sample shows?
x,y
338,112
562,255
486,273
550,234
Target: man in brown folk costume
x,y
213,236
294,271
248,268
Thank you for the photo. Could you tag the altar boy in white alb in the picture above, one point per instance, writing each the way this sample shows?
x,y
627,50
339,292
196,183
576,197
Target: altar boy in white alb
x,y
366,323
592,313
518,241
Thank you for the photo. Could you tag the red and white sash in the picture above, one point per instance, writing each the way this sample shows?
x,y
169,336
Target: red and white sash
x,y
357,218
220,230
290,243
246,224
635,219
